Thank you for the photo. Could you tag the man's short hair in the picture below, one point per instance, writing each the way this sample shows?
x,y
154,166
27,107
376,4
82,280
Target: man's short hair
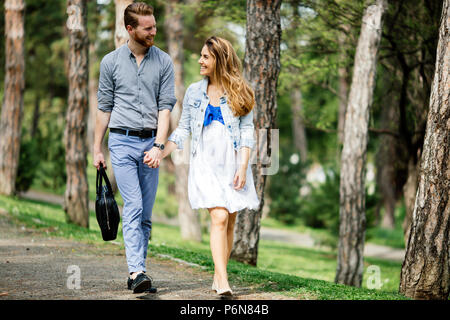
x,y
130,16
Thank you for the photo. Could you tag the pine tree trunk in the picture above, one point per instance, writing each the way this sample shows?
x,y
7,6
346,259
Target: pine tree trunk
x,y
11,113
76,195
409,195
426,268
343,85
93,103
261,69
387,160
189,219
121,34
352,193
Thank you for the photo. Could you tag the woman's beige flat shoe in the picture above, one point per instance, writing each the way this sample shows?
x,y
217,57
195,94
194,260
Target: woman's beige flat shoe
x,y
224,292
213,287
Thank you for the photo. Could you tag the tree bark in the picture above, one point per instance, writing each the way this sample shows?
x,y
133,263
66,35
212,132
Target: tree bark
x,y
121,34
261,69
12,110
189,219
76,195
353,159
426,267
93,103
387,160
409,195
343,85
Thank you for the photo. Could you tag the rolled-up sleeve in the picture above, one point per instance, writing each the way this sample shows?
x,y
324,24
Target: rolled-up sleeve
x,y
246,129
166,97
184,125
105,93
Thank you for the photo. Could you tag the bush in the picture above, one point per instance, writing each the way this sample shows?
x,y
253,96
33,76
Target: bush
x,y
51,173
284,188
29,159
320,208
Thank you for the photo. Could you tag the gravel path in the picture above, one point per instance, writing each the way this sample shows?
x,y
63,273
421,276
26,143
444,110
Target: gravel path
x,y
35,266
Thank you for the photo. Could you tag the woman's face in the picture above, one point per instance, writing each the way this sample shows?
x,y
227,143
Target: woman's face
x,y
206,62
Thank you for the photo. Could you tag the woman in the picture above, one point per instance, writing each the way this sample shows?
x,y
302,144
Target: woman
x,y
217,111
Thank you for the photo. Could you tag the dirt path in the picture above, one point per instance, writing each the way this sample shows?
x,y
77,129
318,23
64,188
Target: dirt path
x,y
35,266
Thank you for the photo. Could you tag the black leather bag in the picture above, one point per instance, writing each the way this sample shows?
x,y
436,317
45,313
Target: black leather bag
x,y
106,208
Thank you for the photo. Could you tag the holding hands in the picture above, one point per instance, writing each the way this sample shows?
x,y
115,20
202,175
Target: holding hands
x,y
153,157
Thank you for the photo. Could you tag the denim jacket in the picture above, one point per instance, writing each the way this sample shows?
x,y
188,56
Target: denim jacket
x,y
195,101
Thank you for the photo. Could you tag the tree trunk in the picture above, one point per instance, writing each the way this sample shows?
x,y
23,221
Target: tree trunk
x,y
352,192
93,103
298,126
11,114
261,69
343,85
409,195
387,160
189,219
121,33
426,268
76,195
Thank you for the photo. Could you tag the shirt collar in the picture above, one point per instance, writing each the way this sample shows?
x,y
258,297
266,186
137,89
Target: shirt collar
x,y
130,53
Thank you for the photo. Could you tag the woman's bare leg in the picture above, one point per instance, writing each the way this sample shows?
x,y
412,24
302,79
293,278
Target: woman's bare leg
x,y
219,245
230,232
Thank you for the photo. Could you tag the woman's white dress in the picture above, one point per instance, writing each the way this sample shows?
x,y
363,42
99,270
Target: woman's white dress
x,y
211,172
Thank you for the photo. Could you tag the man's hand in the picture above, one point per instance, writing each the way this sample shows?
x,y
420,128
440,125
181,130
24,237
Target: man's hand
x,y
153,157
99,158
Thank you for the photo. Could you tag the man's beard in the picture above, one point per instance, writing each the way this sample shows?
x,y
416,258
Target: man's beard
x,y
144,41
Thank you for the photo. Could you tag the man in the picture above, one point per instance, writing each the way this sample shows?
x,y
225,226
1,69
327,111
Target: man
x,y
135,98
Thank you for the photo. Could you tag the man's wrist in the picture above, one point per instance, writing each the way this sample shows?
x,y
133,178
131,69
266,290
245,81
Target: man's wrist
x,y
97,149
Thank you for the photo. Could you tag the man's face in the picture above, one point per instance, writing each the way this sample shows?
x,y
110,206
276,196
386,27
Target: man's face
x,y
145,32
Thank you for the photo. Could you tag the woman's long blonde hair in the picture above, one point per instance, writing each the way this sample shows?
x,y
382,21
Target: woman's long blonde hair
x,y
227,72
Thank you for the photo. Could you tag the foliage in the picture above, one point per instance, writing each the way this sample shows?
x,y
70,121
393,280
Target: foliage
x,y
28,163
318,207
284,188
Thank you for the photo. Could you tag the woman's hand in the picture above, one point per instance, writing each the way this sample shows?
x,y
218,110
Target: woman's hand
x,y
240,178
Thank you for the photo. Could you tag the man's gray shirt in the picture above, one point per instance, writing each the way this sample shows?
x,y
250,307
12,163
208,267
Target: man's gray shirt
x,y
133,95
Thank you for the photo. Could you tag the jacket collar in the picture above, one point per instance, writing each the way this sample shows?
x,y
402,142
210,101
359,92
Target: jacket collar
x,y
204,86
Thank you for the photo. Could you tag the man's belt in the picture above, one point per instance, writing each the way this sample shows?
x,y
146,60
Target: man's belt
x,y
141,134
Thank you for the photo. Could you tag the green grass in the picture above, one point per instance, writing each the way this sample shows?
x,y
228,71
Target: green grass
x,y
287,269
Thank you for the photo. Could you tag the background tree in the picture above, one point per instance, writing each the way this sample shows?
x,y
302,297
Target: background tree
x,y
121,34
426,267
11,115
189,219
263,37
76,195
352,184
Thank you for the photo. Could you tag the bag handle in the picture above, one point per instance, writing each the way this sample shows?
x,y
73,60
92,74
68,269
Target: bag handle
x,y
98,180
104,176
